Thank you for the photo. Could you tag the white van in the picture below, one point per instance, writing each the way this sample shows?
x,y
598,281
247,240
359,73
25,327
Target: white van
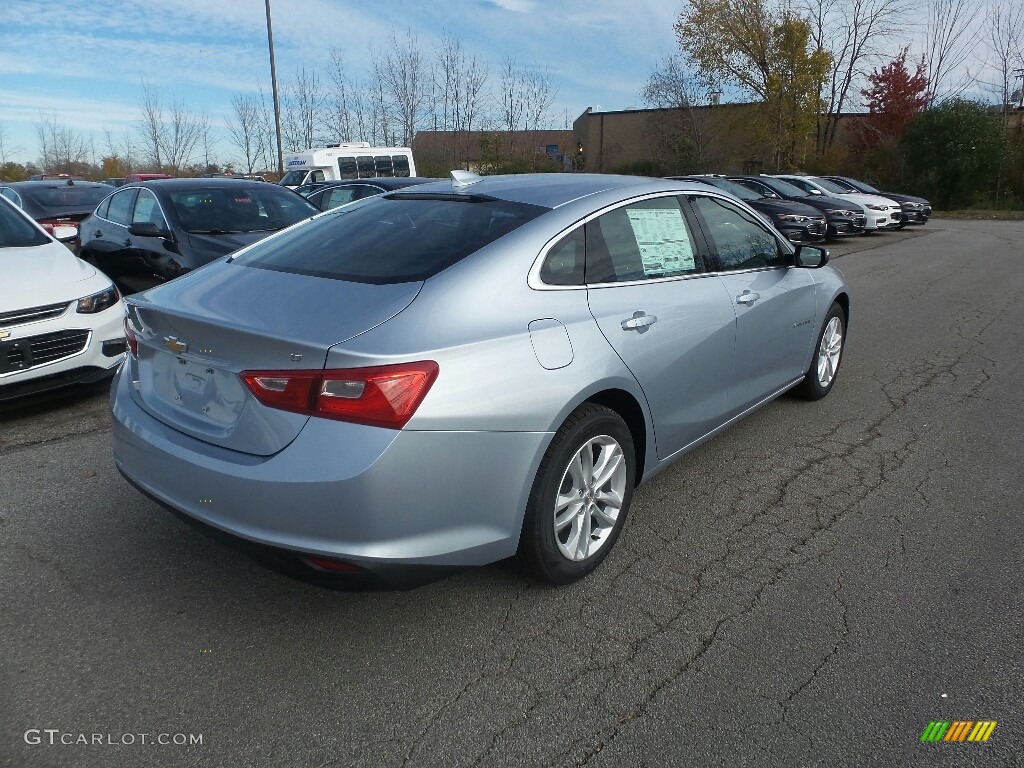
x,y
337,162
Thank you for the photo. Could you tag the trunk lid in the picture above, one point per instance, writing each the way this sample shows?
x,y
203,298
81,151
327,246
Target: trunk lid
x,y
197,333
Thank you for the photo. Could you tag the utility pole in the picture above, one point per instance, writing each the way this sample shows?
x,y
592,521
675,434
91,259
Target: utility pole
x,y
273,87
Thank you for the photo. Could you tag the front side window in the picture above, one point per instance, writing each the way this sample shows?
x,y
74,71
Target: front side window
x,y
738,239
397,238
147,210
315,177
645,240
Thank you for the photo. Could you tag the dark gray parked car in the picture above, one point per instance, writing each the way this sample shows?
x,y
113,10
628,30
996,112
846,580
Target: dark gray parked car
x,y
451,374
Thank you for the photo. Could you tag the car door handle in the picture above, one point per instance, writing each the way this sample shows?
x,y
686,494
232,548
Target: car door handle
x,y
747,297
640,321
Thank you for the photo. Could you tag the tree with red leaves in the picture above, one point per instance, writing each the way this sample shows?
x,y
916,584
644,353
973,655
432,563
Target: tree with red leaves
x,y
895,97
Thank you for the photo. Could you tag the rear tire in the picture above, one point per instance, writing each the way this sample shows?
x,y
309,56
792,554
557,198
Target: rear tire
x,y
581,496
828,354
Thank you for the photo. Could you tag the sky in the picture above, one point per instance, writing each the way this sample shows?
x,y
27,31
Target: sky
x,y
83,62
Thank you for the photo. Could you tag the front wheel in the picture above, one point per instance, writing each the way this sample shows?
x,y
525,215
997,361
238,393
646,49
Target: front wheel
x,y
828,354
581,495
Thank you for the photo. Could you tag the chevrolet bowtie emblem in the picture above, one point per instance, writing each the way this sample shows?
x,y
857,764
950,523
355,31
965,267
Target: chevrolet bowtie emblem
x,y
176,346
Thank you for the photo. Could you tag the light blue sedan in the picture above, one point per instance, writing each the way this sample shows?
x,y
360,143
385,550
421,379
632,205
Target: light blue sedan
x,y
464,371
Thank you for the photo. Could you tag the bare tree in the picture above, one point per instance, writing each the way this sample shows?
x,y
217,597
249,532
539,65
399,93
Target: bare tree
x,y
61,148
343,101
246,130
538,95
183,131
459,80
151,127
1004,38
857,34
951,36
510,95
206,138
302,108
6,149
680,132
405,81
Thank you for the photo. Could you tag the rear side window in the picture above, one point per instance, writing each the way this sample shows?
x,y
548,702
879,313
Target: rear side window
x,y
563,264
401,165
642,241
332,198
120,208
395,238
101,210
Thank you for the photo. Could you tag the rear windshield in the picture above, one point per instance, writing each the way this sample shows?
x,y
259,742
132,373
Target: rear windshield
x,y
397,238
64,196
252,207
16,231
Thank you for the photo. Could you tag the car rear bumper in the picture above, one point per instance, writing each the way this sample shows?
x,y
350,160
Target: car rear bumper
x,y
397,504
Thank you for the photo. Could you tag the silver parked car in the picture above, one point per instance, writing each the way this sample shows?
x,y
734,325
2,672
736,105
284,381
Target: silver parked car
x,y
452,374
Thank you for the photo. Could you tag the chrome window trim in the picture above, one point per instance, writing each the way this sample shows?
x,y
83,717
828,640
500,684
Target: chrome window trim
x,y
534,281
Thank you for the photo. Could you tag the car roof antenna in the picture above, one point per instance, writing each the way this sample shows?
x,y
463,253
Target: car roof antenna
x,y
464,179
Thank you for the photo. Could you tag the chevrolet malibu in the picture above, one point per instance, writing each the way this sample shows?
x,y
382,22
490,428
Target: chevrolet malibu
x,y
460,372
61,321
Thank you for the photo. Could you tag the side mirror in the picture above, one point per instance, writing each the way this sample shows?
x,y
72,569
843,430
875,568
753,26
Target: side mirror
x,y
147,229
811,256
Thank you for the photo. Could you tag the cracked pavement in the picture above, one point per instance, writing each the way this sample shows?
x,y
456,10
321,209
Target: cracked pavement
x,y
801,590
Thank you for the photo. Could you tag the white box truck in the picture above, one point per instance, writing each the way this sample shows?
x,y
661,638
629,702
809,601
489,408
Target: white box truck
x,y
337,162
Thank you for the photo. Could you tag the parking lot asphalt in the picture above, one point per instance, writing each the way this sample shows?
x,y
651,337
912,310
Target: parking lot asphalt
x,y
812,587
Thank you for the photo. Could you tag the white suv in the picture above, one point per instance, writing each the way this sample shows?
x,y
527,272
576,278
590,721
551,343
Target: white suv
x,y
61,320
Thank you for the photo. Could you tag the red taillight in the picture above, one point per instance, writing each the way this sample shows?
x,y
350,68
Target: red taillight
x,y
380,396
336,566
131,338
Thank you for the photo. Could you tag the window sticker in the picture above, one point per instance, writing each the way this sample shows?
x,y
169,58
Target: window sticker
x,y
663,240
